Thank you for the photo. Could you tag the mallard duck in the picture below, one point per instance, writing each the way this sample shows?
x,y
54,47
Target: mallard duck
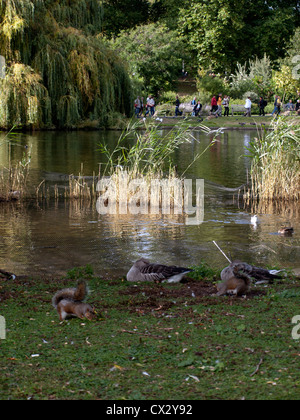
x,y
257,273
284,230
143,270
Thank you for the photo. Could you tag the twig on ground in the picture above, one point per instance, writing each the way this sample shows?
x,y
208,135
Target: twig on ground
x,y
144,334
257,367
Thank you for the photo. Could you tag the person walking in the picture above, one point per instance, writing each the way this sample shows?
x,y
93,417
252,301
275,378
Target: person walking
x,y
262,104
137,106
226,105
248,106
151,105
218,113
177,105
275,110
214,104
278,105
142,106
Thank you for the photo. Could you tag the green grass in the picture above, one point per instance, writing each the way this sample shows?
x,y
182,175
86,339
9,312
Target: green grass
x,y
150,342
236,122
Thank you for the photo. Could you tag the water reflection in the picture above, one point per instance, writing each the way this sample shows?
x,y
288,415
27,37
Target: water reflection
x,y
54,236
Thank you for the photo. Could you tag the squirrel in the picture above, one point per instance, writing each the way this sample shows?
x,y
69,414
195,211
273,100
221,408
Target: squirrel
x,y
69,303
238,284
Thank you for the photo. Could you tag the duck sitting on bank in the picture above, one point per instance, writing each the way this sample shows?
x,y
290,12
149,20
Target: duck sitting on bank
x,y
143,270
257,273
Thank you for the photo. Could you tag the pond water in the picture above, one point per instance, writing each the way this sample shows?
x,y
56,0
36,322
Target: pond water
x,y
51,237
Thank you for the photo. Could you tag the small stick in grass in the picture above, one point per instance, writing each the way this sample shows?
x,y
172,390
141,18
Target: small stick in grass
x,y
144,334
257,367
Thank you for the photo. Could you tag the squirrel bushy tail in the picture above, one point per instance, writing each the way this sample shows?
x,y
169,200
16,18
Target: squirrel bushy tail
x,y
77,294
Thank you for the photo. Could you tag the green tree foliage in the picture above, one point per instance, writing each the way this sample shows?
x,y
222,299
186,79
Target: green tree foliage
x,y
154,54
294,47
286,85
68,74
124,14
220,33
167,11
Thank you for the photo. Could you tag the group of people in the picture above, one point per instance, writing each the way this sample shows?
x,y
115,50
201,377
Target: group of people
x,y
141,109
217,102
216,105
196,104
289,107
197,107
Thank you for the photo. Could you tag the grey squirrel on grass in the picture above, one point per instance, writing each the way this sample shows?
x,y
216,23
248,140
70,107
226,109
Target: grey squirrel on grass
x,y
69,303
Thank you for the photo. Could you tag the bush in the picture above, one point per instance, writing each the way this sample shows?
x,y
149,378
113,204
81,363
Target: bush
x,y
253,95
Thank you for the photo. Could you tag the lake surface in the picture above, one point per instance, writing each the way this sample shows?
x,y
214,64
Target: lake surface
x,y
51,237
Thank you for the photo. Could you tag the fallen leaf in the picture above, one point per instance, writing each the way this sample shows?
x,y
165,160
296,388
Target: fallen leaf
x,y
116,367
145,373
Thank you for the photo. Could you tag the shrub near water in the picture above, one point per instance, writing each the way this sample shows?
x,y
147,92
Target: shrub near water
x,y
276,162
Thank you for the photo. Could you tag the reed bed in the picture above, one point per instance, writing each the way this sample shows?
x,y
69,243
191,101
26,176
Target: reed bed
x,y
141,154
80,187
14,179
275,170
141,164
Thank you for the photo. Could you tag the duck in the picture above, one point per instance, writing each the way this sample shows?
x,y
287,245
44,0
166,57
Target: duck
x,y
284,230
4,275
260,274
143,270
254,220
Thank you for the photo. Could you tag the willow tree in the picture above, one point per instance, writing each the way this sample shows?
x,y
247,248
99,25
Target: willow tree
x,y
59,72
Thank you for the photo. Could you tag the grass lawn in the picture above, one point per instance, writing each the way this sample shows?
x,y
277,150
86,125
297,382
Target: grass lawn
x,y
236,122
150,341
